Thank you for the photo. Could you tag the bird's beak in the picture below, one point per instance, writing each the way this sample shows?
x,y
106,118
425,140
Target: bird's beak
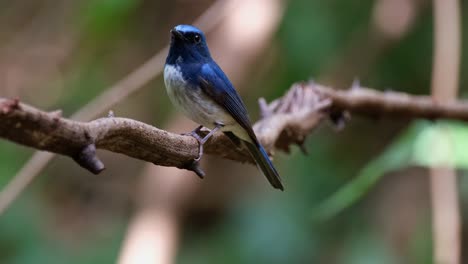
x,y
177,34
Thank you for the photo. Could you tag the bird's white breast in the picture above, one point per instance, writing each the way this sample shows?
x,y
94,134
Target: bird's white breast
x,y
174,82
175,86
192,101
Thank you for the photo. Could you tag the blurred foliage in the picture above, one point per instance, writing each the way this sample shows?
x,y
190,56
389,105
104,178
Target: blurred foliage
x,y
448,141
14,157
105,18
422,144
396,156
29,237
61,219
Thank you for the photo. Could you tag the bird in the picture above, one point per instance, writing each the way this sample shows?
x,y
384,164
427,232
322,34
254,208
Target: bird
x,y
199,88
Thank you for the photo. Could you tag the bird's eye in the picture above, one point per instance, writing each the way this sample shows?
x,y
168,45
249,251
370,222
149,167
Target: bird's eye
x,y
197,38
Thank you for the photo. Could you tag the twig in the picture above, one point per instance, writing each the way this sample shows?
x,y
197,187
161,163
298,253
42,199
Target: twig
x,y
368,102
446,225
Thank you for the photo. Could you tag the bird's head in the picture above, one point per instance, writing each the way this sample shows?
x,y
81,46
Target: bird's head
x,y
188,45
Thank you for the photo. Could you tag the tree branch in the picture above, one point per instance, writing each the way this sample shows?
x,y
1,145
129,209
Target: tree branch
x,y
285,121
368,102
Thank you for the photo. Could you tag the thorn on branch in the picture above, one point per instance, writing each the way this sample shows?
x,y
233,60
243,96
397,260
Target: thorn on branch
x,y
356,84
264,109
88,159
56,114
9,106
310,83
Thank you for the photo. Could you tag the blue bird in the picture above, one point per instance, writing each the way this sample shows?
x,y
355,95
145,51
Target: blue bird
x,y
198,87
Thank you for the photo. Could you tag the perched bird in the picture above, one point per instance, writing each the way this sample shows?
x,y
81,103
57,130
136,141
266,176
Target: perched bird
x,y
199,88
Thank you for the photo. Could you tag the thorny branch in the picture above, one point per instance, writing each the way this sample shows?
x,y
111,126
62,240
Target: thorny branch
x,y
285,121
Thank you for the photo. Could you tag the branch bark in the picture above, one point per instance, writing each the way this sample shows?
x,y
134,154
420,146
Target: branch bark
x,y
285,121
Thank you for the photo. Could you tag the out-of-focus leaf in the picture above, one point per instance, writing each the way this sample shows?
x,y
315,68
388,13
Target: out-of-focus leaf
x,y
397,155
103,17
29,237
367,248
423,144
442,144
12,157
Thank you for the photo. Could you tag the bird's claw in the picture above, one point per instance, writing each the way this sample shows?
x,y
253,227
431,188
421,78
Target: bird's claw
x,y
200,141
200,152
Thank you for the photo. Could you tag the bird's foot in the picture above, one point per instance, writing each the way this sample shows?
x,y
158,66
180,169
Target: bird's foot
x,y
200,140
200,149
195,164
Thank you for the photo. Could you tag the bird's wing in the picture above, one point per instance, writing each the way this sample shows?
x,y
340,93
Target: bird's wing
x,y
217,86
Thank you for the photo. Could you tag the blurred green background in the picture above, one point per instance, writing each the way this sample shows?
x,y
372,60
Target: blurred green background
x,y
360,196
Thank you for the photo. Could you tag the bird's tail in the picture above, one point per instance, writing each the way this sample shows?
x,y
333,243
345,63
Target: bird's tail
x,y
264,163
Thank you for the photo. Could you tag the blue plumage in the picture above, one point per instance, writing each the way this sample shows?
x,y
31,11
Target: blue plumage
x,y
200,89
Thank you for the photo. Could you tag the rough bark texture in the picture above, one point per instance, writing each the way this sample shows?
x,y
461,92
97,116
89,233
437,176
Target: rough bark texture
x,y
285,121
